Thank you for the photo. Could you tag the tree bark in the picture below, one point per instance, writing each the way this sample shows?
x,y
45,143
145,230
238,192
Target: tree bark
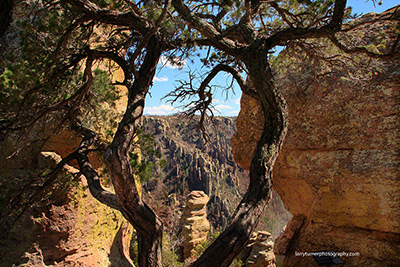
x,y
6,7
147,224
246,217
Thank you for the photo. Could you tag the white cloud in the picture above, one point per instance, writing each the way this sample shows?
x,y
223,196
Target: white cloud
x,y
219,107
237,101
233,112
165,62
160,79
215,100
160,110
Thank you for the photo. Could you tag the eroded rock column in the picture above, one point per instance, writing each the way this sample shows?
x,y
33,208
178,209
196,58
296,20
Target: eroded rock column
x,y
259,250
195,226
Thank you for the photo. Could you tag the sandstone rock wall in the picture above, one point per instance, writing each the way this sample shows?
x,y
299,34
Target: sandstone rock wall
x,y
338,172
249,130
67,228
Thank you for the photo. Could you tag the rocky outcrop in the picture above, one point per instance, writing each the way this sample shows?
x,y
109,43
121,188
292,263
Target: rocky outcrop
x,y
67,227
291,231
188,155
338,172
249,129
195,226
258,251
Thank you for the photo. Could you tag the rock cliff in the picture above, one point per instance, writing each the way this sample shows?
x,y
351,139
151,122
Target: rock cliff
x,y
338,172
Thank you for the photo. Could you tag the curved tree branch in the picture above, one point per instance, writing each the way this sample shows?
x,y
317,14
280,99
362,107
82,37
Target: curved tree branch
x,y
75,101
216,19
245,219
207,29
130,19
87,170
146,222
282,37
187,90
142,44
163,13
283,13
120,61
77,23
90,137
234,72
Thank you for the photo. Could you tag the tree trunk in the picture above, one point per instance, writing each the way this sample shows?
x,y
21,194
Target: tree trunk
x,y
246,217
147,224
150,248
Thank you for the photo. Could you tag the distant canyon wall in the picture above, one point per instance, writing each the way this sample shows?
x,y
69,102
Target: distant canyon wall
x,y
192,164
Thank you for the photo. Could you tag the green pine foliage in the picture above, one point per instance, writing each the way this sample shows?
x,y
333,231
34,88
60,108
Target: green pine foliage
x,y
144,157
39,83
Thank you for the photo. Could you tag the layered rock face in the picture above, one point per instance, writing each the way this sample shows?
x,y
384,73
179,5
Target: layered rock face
x,y
186,151
195,226
338,172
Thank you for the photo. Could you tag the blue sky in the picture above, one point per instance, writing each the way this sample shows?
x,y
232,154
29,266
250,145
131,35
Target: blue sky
x,y
167,75
167,78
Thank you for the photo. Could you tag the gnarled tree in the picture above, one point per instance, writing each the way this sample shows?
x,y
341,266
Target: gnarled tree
x,y
245,39
243,33
77,35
